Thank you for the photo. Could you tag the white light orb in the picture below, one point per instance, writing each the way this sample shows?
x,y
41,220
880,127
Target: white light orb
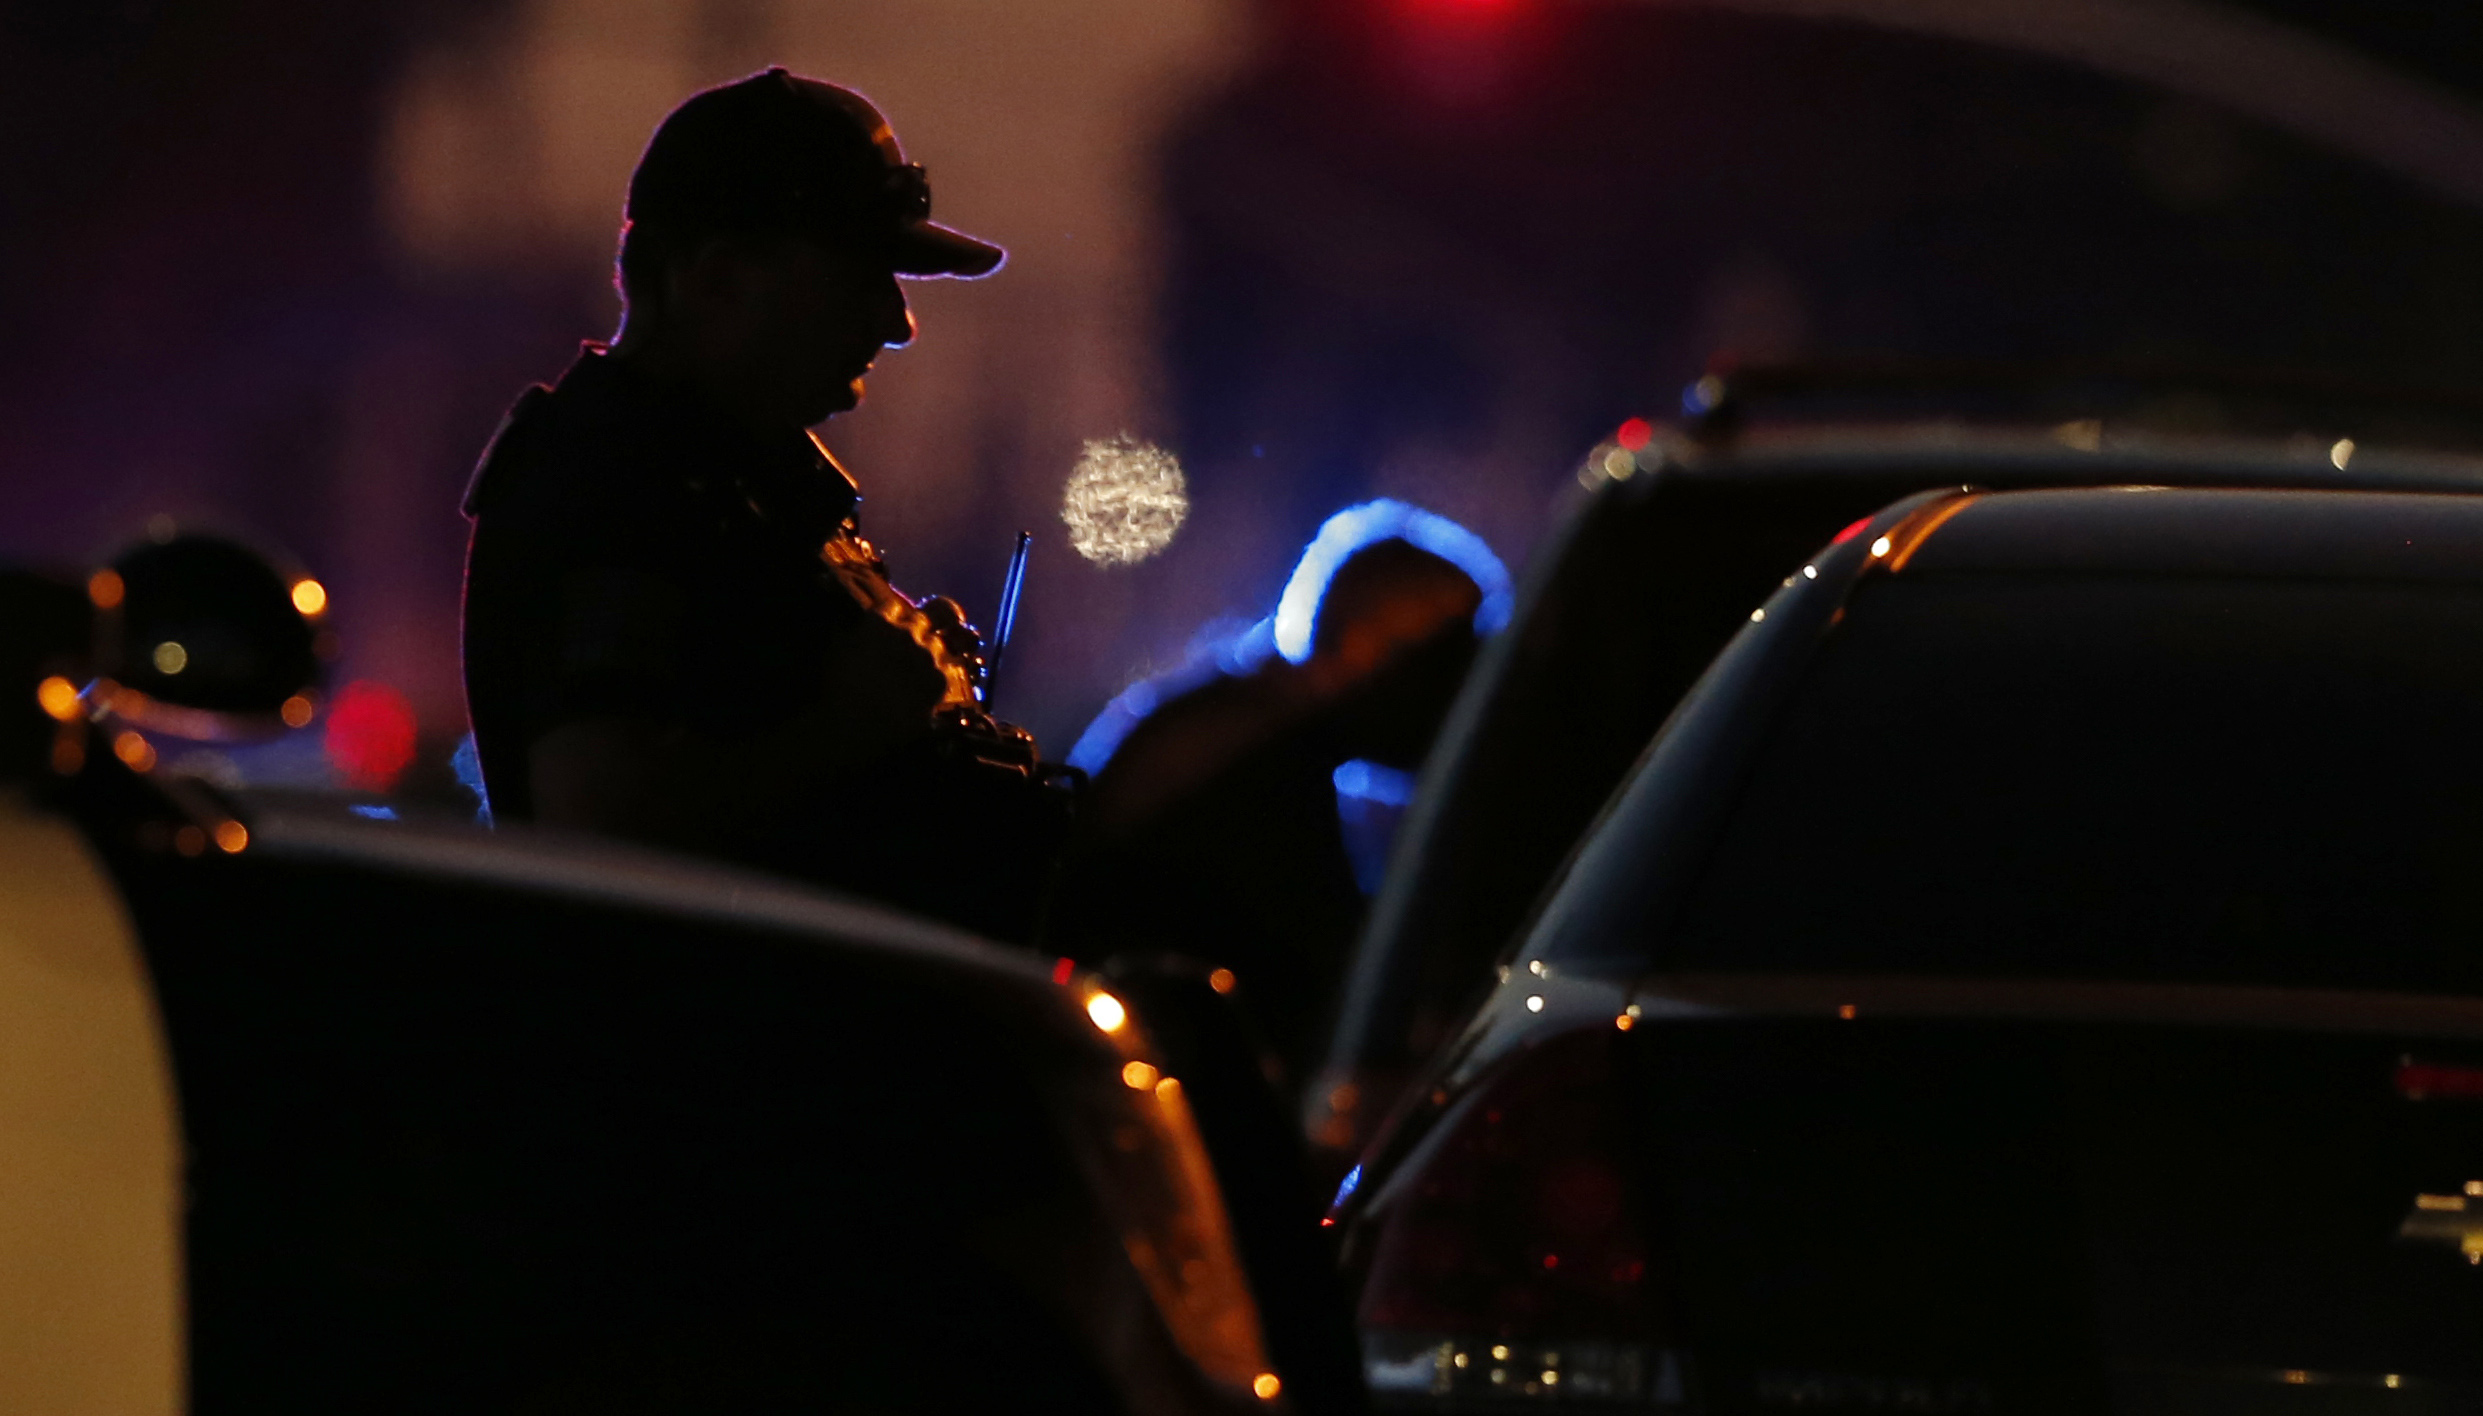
x,y
1124,501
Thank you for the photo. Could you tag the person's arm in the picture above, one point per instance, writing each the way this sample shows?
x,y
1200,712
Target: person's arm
x,y
653,774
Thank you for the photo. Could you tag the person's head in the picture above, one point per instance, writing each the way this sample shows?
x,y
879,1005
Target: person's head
x,y
1393,639
1387,598
768,223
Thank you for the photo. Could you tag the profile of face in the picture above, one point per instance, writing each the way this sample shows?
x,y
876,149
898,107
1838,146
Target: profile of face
x,y
782,330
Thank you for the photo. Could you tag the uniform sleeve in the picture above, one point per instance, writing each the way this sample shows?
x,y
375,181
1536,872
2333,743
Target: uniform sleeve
x,y
651,599
598,581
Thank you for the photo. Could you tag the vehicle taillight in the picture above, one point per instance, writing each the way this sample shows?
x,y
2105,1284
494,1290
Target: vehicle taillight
x,y
1512,1259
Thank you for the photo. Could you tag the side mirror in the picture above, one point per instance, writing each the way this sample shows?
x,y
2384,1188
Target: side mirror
x,y
202,625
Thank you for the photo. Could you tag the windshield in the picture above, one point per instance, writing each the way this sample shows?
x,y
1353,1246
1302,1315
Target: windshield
x,y
2171,779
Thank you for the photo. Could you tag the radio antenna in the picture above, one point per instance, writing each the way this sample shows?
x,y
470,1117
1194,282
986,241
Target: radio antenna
x,y
1004,623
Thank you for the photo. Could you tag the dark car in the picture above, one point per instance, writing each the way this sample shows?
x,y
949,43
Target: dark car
x,y
2038,968
1655,563
309,1104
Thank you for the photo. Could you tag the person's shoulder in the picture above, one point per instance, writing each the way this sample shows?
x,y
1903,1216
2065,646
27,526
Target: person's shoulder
x,y
491,474
1188,740
584,450
1222,698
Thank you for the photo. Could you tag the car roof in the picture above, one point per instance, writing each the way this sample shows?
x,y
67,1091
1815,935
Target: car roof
x,y
2092,534
2163,530
1665,549
2078,453
588,869
1630,868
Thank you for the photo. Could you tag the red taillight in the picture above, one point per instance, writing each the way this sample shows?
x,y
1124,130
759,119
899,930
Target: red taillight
x,y
1849,532
1513,1260
2424,1081
371,735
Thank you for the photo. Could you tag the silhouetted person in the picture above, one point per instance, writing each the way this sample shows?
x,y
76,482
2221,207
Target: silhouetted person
x,y
673,629
1212,831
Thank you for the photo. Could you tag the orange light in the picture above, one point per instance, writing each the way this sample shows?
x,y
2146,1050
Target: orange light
x,y
1266,1386
1107,1012
1845,1010
1222,981
134,750
1139,1076
297,711
1624,1022
309,596
68,754
231,837
1168,1088
59,697
105,589
189,840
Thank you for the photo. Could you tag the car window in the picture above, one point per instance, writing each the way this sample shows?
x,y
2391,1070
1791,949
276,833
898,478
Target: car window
x,y
2179,779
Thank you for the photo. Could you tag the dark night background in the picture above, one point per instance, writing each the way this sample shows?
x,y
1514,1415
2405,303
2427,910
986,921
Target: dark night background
x,y
276,266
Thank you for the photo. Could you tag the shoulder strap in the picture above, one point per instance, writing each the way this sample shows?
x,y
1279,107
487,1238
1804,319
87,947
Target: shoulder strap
x,y
504,443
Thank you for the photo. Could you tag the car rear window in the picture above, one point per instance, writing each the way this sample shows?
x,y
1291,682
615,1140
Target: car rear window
x,y
2172,779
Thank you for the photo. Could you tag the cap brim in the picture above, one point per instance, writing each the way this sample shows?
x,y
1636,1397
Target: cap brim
x,y
925,249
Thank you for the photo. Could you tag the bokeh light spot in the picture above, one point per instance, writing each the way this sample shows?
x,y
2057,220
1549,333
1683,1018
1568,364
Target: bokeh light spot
x,y
170,657
370,735
104,588
1125,500
58,697
1107,1012
309,596
297,711
134,750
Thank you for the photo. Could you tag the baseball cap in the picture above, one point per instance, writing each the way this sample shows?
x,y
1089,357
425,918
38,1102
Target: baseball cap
x,y
779,152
